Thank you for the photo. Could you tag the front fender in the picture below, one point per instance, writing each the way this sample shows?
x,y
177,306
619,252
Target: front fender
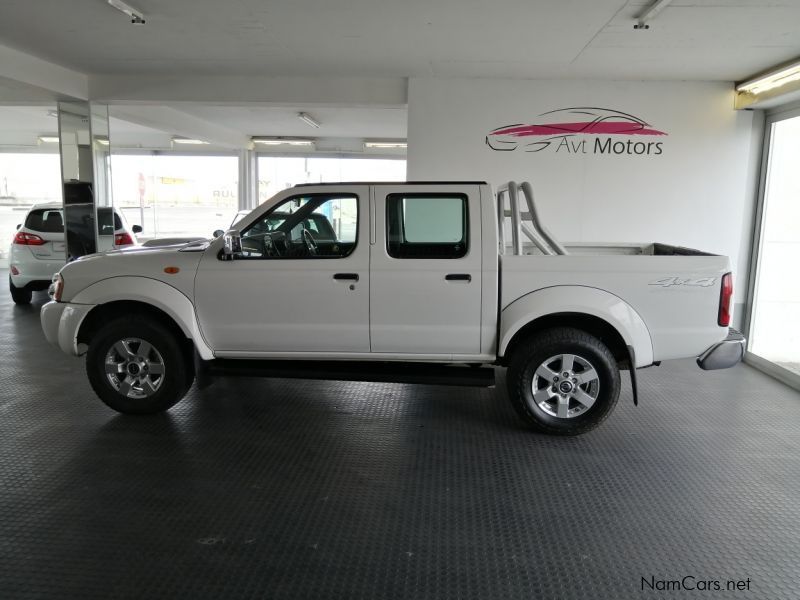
x,y
578,299
153,292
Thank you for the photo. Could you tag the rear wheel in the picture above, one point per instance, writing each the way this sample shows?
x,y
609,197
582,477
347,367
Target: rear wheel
x,y
136,366
563,381
19,295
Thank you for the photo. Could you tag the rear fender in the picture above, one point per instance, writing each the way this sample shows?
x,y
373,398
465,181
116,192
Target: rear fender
x,y
583,300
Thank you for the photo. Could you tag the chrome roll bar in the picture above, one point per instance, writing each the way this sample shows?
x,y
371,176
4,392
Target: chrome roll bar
x,y
537,233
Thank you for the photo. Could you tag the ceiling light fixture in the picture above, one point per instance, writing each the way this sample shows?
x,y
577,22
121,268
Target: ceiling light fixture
x,y
386,145
282,141
137,16
650,13
48,139
102,140
189,141
52,113
771,80
308,119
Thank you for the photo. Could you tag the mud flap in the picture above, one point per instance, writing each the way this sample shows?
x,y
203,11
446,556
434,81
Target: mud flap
x,y
632,369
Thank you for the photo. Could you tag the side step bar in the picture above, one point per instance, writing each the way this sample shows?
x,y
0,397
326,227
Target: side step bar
x,y
385,372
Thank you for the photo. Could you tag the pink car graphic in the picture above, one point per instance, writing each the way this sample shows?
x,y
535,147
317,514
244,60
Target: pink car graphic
x,y
566,122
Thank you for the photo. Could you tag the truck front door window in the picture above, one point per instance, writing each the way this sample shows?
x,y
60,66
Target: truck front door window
x,y
313,226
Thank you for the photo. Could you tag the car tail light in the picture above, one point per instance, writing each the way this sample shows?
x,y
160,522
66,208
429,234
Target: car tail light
x,y
14,270
725,297
57,288
123,239
28,239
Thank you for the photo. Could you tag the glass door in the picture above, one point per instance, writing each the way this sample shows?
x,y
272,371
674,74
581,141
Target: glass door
x,y
774,330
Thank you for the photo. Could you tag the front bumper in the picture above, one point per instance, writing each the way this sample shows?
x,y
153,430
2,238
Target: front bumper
x,y
724,354
61,322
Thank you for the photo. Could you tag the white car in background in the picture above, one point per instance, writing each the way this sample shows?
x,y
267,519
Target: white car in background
x,y
38,249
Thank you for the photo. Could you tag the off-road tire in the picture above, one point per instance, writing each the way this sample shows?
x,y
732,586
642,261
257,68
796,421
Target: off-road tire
x,y
178,371
530,354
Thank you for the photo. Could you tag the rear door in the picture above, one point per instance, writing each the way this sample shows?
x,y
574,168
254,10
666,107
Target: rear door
x,y
425,270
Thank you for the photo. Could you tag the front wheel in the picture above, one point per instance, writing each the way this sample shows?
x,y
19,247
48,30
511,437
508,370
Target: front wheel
x,y
563,381
136,366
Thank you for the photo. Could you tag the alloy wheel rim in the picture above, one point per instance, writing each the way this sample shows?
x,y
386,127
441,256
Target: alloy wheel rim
x,y
565,386
134,368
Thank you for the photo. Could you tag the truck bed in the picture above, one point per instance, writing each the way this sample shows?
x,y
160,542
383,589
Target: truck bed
x,y
675,290
652,249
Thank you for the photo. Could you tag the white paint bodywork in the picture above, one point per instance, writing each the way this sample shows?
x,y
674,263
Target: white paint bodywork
x,y
399,309
250,307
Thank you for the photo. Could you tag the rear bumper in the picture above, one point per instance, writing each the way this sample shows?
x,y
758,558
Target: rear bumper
x,y
33,273
724,354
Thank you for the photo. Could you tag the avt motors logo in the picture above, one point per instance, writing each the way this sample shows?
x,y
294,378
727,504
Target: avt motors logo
x,y
579,130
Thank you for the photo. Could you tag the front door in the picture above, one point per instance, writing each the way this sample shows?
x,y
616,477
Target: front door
x,y
302,283
425,266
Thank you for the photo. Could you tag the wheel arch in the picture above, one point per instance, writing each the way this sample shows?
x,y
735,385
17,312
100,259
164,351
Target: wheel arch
x,y
595,311
139,295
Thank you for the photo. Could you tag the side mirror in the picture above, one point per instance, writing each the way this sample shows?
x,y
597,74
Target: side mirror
x,y
137,229
231,244
217,233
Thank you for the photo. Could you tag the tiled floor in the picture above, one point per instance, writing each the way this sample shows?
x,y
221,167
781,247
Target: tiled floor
x,y
293,489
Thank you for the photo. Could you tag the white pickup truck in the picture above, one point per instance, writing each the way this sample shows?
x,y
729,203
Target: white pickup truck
x,y
411,282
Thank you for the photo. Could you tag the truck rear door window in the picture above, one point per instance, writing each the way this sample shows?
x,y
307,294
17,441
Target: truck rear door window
x,y
426,225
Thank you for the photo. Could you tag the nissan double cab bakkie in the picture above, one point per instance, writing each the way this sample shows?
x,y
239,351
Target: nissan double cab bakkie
x,y
423,282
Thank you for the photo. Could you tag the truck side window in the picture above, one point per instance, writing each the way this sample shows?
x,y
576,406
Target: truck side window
x,y
426,225
310,226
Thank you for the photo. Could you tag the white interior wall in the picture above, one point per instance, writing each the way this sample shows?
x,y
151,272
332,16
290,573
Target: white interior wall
x,y
698,192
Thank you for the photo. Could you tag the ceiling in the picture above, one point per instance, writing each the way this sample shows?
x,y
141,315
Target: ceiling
x,y
691,39
260,40
152,127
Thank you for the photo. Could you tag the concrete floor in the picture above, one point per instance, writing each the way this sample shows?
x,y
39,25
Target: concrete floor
x,y
294,489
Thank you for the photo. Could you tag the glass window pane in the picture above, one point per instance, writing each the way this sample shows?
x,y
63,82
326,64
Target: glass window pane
x,y
176,195
315,226
433,219
775,330
426,226
25,179
276,173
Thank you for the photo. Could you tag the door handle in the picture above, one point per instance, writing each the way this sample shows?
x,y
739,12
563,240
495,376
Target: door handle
x,y
458,277
352,276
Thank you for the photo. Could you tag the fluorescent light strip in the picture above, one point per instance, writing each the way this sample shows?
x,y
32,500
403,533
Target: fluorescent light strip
x,y
192,141
386,145
308,120
282,142
48,139
772,80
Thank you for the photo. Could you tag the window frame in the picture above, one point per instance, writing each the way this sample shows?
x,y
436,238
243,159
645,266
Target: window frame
x,y
465,240
328,196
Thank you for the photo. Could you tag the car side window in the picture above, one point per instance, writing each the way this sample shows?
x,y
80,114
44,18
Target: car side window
x,y
305,227
427,226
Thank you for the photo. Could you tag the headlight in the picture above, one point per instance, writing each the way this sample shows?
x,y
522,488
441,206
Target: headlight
x,y
57,287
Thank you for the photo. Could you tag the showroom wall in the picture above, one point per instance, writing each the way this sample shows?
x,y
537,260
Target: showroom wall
x,y
687,177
